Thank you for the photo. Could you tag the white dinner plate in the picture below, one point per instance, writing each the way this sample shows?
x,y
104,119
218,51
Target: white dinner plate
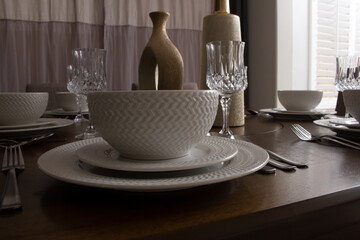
x,y
62,163
39,122
208,151
53,123
348,122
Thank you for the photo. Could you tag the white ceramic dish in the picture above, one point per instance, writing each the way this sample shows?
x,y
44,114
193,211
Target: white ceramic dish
x,y
150,124
54,123
348,122
300,100
67,101
209,151
62,163
352,103
22,108
39,122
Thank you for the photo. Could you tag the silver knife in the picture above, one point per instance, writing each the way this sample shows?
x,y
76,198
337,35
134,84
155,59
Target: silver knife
x,y
286,160
281,165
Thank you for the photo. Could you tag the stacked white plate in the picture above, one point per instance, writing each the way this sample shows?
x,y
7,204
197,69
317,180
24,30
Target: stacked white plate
x,y
41,125
345,127
94,163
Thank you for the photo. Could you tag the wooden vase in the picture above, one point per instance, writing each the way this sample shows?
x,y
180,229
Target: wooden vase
x,y
161,65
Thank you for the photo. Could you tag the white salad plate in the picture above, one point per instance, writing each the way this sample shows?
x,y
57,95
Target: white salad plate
x,y
39,122
208,151
348,122
53,123
283,114
63,164
328,123
286,112
62,112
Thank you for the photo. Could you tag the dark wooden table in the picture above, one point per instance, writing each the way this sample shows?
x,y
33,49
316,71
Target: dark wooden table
x,y
318,202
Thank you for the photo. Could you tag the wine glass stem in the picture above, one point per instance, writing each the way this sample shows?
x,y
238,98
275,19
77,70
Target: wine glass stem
x,y
225,105
78,101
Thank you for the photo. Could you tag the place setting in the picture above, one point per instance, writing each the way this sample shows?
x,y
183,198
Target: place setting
x,y
347,84
155,140
347,127
21,114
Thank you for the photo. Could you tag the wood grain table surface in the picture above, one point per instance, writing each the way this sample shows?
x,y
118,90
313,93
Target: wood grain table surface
x,y
318,202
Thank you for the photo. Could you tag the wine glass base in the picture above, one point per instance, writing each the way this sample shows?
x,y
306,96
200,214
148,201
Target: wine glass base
x,y
87,135
226,133
80,119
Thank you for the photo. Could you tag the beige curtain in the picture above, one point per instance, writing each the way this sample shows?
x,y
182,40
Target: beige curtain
x,y
37,36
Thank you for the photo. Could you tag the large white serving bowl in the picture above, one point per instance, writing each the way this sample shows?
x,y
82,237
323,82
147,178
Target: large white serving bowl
x,y
153,124
300,100
67,101
352,103
22,108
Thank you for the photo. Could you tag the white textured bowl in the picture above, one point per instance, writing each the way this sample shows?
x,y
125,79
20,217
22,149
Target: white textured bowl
x,y
22,108
153,124
300,100
352,103
67,101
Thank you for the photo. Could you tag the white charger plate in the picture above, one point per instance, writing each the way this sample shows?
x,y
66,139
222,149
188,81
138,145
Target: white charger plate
x,y
62,163
53,123
208,151
39,122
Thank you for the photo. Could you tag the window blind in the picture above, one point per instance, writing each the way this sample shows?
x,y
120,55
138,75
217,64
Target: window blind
x,y
336,32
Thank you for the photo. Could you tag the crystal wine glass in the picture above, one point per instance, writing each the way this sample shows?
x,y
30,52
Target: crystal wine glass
x,y
226,74
89,76
79,98
347,74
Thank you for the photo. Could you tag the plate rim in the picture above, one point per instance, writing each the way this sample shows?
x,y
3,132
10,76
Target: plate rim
x,y
320,122
28,125
290,113
160,165
56,123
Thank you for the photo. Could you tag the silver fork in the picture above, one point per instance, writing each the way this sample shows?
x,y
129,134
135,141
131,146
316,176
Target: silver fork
x,y
13,160
305,135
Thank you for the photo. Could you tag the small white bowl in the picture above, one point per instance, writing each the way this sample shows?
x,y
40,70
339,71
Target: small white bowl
x,y
67,101
22,108
151,124
300,100
352,103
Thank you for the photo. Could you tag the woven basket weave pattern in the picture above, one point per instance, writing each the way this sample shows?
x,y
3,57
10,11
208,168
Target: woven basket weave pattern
x,y
154,126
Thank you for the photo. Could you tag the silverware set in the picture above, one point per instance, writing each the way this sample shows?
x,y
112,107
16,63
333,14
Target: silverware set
x,y
12,164
305,135
277,161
